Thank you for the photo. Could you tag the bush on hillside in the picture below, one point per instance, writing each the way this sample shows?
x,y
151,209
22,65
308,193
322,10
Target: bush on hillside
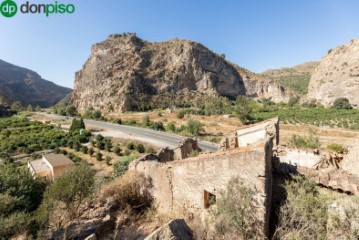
x,y
243,109
310,141
121,166
304,214
236,213
292,101
129,192
180,114
336,147
342,103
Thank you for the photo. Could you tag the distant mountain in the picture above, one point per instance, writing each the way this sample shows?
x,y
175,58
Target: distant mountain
x,y
337,75
126,73
294,78
26,86
67,98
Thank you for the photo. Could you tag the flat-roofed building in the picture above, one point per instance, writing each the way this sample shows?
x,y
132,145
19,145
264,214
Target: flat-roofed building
x,y
50,166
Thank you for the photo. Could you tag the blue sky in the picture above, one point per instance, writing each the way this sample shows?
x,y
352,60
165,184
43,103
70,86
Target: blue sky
x,y
254,34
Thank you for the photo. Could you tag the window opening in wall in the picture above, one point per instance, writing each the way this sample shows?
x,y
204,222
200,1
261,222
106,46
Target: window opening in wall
x,y
209,199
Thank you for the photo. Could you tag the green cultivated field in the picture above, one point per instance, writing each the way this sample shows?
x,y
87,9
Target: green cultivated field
x,y
313,116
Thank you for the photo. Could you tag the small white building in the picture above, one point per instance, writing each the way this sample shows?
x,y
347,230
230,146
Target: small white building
x,y
50,166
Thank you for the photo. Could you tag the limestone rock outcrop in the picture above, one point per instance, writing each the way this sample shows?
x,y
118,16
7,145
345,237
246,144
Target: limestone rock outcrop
x,y
127,73
337,76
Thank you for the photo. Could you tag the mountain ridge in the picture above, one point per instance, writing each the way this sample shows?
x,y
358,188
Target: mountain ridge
x,y
24,85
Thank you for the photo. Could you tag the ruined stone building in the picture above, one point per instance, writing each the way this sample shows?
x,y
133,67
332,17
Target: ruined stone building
x,y
192,185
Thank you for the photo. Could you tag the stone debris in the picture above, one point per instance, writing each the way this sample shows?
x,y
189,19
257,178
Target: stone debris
x,y
176,229
330,159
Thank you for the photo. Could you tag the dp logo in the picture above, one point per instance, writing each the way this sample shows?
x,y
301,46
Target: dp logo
x,y
8,8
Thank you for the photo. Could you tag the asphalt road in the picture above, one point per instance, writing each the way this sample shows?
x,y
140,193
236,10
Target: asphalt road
x,y
161,139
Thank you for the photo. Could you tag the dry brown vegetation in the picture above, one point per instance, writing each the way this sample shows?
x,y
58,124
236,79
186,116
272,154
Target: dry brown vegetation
x,y
128,192
216,125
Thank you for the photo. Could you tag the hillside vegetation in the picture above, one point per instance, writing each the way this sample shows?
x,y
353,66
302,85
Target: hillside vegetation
x,y
295,78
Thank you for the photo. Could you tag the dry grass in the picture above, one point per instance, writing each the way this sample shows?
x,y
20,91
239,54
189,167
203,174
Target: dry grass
x,y
326,135
216,125
128,192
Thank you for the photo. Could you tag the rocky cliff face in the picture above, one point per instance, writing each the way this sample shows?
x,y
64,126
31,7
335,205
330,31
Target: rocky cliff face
x,y
337,76
127,73
258,87
26,86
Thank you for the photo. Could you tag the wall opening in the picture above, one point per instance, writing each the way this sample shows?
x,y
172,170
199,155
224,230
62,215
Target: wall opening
x,y
209,199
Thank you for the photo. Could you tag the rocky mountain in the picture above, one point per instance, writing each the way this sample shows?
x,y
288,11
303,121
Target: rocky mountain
x,y
337,76
127,73
294,78
26,86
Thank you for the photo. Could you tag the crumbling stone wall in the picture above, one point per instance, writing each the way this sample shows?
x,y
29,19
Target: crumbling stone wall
x,y
180,185
186,147
251,135
343,175
165,155
183,185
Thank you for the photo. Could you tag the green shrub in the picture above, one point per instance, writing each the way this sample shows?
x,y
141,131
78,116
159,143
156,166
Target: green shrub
x,y
171,127
146,121
97,114
304,214
117,150
292,101
180,114
108,160
243,109
336,147
236,213
99,138
25,191
344,221
194,153
120,167
158,126
101,145
14,224
71,189
108,144
342,103
127,152
99,156
91,151
84,150
140,148
17,106
194,127
309,141
131,146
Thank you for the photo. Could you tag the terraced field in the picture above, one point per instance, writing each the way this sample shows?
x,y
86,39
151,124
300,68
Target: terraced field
x,y
320,117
